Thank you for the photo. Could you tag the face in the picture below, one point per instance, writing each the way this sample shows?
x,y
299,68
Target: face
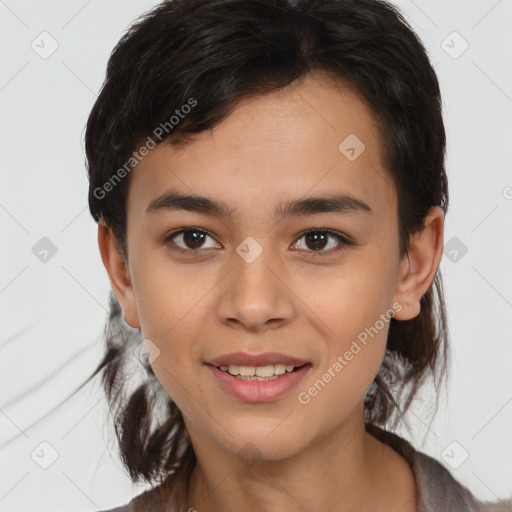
x,y
269,277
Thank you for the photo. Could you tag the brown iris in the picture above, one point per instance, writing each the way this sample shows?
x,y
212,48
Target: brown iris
x,y
318,240
193,239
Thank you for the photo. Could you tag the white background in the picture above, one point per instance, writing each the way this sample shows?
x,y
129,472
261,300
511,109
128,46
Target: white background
x,y
52,314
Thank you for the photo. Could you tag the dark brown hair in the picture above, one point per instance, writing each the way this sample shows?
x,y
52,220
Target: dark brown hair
x,y
211,54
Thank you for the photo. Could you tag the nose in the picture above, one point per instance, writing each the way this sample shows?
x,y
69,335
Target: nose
x,y
255,296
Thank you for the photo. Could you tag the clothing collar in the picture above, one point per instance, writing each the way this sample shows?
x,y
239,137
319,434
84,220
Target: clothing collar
x,y
436,488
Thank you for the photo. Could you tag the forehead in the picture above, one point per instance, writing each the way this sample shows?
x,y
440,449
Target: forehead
x,y
316,136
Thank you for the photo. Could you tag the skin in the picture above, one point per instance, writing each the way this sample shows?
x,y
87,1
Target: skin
x,y
280,146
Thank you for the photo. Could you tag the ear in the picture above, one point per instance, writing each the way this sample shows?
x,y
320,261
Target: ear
x,y
118,273
418,268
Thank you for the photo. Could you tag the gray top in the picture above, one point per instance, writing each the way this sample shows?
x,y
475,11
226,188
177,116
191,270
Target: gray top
x,y
437,490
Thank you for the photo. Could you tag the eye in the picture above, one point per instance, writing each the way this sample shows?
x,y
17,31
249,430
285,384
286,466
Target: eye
x,y
191,238
316,240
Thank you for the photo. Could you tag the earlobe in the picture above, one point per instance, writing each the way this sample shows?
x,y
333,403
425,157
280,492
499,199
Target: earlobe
x,y
418,268
118,273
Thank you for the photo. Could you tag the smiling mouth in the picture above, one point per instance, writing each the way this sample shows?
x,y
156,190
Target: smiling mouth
x,y
258,378
259,373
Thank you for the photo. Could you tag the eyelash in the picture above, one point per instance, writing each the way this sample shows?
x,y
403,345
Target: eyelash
x,y
342,241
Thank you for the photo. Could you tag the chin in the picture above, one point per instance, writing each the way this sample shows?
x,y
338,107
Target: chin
x,y
263,440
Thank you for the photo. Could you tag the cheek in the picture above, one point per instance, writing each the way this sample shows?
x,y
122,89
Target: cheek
x,y
167,294
170,312
358,308
353,299
177,367
340,382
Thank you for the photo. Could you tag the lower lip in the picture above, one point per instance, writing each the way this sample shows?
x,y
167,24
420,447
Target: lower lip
x,y
257,390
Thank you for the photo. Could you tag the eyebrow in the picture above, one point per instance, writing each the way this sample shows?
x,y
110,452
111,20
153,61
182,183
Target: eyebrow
x,y
336,203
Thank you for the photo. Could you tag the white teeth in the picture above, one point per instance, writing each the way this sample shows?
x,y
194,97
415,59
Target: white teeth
x,y
280,369
234,370
257,371
265,371
247,371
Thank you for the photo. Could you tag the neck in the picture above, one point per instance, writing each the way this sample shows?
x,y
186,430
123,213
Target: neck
x,y
341,472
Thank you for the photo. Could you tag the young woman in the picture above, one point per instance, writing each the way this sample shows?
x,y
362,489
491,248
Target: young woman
x,y
268,178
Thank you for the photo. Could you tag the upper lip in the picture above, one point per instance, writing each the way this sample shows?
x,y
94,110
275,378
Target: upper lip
x,y
265,359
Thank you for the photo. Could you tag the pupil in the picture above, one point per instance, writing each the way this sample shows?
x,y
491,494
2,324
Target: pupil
x,y
317,238
193,241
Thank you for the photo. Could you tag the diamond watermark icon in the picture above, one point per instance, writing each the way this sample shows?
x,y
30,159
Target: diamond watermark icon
x,y
454,455
249,455
45,45
146,352
44,455
455,249
352,147
454,45
44,250
249,249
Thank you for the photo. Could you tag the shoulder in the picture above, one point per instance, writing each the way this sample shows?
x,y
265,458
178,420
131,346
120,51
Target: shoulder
x,y
441,491
124,508
437,489
157,499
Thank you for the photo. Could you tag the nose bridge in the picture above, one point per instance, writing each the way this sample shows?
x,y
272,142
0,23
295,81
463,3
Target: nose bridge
x,y
253,293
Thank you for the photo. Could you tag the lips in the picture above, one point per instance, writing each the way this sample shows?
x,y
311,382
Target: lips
x,y
266,359
258,378
258,391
